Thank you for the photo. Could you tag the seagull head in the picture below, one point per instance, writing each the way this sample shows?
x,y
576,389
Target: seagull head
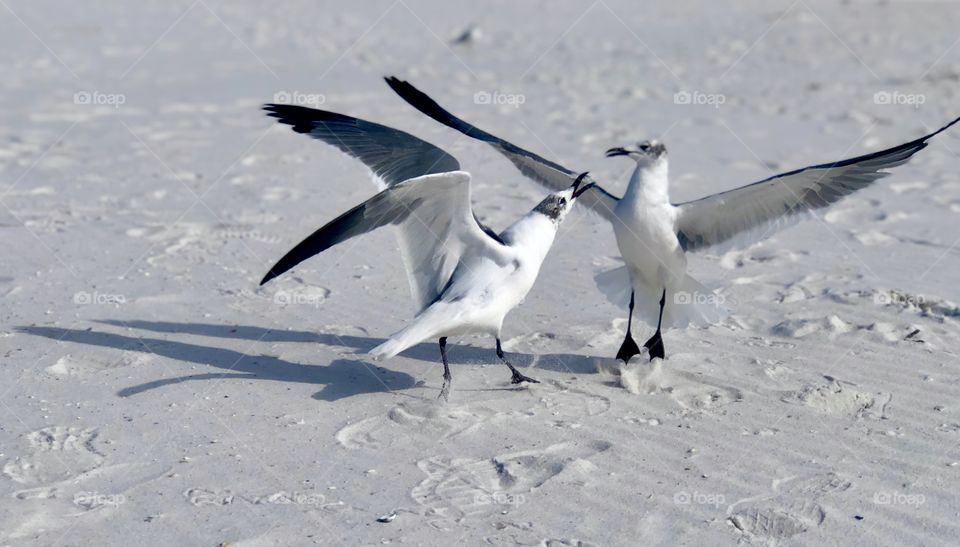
x,y
644,153
556,206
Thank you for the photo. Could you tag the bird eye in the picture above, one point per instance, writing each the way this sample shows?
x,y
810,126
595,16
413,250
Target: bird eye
x,y
563,202
644,147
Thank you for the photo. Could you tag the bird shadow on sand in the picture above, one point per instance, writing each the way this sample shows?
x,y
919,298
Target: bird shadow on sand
x,y
458,354
341,378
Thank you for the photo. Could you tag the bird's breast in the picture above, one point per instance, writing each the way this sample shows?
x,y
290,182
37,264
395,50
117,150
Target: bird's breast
x,y
501,285
645,234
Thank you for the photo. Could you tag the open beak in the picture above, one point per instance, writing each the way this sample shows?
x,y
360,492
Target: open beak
x,y
613,152
577,190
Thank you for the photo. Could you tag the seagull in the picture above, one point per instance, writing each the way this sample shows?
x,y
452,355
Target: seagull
x,y
464,277
654,235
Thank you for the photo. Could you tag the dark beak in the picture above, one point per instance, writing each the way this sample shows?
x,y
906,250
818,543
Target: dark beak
x,y
577,190
613,152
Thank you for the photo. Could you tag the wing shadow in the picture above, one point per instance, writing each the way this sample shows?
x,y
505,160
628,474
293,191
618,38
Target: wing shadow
x,y
341,378
459,354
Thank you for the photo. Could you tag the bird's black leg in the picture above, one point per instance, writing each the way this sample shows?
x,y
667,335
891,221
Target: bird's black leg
x,y
445,390
655,344
629,347
517,377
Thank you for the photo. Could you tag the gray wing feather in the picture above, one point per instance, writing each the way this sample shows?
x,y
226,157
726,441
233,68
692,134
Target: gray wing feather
x,y
745,215
436,227
381,210
392,155
553,176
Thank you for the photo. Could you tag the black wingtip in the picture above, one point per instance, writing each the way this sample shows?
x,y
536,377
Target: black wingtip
x,y
429,107
267,278
908,149
942,129
410,94
419,100
276,271
300,118
401,86
922,143
275,109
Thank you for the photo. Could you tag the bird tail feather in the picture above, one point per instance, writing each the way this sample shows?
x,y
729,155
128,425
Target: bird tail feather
x,y
693,304
687,302
615,285
388,349
419,330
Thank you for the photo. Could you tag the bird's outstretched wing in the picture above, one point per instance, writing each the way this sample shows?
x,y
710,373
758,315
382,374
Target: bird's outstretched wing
x,y
553,176
436,226
423,193
745,215
392,155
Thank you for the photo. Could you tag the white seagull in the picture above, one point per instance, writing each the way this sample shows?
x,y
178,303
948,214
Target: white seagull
x,y
464,277
654,235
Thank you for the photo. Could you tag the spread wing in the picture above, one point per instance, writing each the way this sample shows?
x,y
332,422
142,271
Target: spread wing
x,y
436,226
423,193
392,155
745,215
553,176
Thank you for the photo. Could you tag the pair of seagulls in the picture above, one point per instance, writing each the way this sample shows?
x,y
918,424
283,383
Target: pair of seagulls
x,y
466,278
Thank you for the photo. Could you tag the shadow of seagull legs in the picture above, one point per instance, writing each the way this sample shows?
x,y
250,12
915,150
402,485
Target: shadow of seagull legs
x,y
341,378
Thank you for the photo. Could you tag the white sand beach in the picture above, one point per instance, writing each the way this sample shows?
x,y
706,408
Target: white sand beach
x,y
151,393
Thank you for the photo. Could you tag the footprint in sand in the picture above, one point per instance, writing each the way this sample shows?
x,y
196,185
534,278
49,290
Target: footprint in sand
x,y
73,366
792,508
557,402
243,232
460,488
567,403
431,419
55,454
217,497
193,241
66,476
362,434
839,398
799,328
763,255
199,497
55,468
692,392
